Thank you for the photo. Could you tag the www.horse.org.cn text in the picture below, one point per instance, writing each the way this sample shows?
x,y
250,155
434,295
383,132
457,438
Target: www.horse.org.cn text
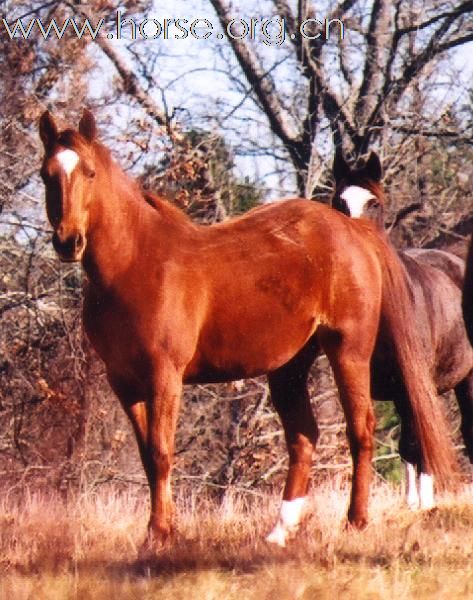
x,y
270,31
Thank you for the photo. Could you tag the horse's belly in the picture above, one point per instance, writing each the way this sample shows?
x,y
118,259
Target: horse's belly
x,y
453,365
453,352
225,354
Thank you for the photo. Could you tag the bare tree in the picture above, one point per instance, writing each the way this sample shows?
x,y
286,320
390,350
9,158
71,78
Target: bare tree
x,y
378,67
368,74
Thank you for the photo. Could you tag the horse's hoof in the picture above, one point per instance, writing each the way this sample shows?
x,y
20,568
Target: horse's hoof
x,y
358,524
277,537
413,505
154,545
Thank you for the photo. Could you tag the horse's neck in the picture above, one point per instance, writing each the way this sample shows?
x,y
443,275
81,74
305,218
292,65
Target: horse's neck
x,y
126,224
116,219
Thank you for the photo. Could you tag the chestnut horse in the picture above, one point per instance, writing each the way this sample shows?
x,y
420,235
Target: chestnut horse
x,y
468,293
436,280
169,302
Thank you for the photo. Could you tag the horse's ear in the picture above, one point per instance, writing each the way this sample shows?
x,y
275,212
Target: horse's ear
x,y
87,126
47,130
340,168
373,167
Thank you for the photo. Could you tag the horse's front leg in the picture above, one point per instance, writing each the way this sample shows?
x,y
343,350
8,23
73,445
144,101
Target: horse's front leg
x,y
153,417
163,408
135,407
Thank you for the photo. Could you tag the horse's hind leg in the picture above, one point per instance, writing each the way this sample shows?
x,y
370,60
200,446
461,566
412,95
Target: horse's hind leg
x,y
464,394
351,369
289,394
419,484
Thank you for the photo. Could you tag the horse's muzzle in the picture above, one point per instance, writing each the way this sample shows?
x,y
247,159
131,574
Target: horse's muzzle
x,y
70,248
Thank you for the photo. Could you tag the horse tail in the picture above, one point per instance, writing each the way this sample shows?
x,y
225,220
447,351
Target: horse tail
x,y
467,300
397,314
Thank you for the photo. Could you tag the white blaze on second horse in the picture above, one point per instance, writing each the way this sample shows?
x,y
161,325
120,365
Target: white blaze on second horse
x,y
420,489
288,521
68,160
356,198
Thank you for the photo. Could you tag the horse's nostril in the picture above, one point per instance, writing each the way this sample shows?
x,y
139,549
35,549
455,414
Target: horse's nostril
x,y
57,242
68,247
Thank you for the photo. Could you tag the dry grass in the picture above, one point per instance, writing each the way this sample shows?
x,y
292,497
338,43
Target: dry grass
x,y
87,548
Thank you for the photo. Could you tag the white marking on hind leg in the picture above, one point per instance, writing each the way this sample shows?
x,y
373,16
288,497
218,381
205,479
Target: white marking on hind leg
x,y
288,522
412,496
68,160
426,491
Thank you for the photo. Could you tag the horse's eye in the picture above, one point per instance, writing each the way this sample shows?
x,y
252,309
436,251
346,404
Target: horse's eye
x,y
89,172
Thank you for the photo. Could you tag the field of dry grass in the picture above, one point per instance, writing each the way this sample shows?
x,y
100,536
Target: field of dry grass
x,y
87,547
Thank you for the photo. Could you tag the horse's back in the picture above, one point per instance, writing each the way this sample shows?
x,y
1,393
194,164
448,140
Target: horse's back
x,y
298,237
436,279
449,263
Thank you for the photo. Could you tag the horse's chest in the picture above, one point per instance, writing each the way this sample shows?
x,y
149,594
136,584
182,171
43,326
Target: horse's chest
x,y
116,333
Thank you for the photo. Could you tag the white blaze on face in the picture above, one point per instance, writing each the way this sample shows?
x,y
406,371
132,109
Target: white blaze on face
x,y
356,198
68,160
288,521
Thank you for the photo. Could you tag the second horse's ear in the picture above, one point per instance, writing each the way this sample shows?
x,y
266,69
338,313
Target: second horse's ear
x,y
87,126
47,130
340,168
373,167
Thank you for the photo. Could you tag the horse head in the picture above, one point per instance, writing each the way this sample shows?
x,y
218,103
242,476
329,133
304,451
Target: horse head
x,y
358,191
68,173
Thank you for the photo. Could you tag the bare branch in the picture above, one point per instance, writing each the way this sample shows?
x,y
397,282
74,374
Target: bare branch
x,y
422,58
463,8
375,60
132,85
454,135
260,81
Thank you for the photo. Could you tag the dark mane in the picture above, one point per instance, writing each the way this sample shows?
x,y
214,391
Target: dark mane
x,y
165,207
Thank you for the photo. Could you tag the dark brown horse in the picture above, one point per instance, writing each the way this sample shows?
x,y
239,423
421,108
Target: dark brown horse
x,y
468,293
169,302
436,280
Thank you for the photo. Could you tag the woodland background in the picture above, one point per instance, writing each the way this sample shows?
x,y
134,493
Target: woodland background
x,y
217,127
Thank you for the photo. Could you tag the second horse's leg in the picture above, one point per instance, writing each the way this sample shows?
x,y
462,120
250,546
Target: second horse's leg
x,y
419,483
